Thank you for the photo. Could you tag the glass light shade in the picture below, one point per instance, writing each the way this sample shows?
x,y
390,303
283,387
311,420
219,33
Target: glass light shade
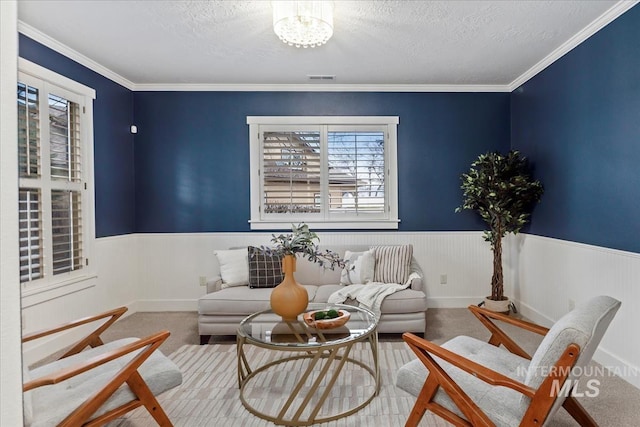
x,y
303,23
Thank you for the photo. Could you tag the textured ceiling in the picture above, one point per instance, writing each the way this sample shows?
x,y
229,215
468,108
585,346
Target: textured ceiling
x,y
374,42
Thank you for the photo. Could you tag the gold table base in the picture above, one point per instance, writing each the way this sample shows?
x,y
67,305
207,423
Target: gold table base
x,y
336,354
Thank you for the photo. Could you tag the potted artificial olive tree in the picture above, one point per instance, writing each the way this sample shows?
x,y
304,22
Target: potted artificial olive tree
x,y
500,188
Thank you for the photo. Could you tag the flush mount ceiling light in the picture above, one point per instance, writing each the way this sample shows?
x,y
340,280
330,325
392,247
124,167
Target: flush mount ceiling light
x,y
303,23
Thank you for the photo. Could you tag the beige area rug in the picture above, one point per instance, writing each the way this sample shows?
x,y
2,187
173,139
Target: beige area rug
x,y
209,394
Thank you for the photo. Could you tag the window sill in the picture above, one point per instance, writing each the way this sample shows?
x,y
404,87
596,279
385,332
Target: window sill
x,y
39,294
327,225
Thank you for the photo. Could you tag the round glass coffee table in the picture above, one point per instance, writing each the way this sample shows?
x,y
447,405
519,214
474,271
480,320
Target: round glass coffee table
x,y
307,375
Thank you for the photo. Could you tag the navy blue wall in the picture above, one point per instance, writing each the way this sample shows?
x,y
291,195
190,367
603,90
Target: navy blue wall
x,y
113,144
192,152
579,122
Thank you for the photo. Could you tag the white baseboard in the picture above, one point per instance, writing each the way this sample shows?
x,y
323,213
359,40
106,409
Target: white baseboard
x,y
619,367
534,315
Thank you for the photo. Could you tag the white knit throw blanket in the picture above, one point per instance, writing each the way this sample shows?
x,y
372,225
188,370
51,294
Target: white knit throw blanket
x,y
370,295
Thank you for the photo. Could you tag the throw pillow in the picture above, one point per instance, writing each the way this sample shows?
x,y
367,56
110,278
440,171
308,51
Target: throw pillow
x,y
359,268
234,270
393,263
265,271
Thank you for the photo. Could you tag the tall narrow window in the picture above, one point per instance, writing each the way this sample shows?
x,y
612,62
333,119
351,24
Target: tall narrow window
x,y
332,172
54,169
28,131
30,220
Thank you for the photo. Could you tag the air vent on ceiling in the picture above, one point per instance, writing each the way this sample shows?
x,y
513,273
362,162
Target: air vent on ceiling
x,y
320,77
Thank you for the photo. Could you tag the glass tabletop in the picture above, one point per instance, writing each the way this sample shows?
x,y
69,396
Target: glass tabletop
x,y
266,327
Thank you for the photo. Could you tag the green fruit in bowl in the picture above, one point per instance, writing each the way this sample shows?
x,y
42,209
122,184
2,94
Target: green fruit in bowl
x,y
320,315
332,314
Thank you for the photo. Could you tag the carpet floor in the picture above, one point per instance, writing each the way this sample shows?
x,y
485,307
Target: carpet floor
x,y
209,394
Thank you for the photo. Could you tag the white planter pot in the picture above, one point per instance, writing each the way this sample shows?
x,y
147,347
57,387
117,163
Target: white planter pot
x,y
497,306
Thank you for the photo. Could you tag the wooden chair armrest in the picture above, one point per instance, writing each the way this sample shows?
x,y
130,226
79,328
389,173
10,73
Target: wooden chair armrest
x,y
93,339
114,314
64,374
482,372
498,336
523,324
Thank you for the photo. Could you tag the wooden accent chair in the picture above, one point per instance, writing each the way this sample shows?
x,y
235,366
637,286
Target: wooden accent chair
x,y
472,383
85,388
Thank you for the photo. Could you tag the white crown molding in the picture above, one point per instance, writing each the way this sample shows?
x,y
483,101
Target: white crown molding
x,y
606,18
65,50
324,87
603,20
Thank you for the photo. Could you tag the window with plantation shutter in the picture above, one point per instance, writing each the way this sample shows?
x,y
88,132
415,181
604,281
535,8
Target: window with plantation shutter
x,y
66,230
54,163
356,171
30,220
329,172
28,131
291,165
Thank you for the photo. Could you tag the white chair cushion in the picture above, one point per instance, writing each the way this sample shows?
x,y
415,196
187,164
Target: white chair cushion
x,y
51,404
585,325
502,405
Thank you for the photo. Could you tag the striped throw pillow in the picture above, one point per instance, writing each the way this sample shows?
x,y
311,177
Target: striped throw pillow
x,y
265,271
393,263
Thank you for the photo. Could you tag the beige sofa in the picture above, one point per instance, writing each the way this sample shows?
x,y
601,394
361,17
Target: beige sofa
x,y
221,310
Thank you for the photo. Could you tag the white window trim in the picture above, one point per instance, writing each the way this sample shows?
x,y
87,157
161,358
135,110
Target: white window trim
x,y
391,186
52,287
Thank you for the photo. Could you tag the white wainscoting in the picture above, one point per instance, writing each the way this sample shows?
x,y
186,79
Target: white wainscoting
x,y
170,264
116,285
554,273
160,272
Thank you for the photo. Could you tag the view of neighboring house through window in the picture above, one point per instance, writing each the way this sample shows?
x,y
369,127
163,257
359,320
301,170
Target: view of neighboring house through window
x,y
55,207
356,171
331,172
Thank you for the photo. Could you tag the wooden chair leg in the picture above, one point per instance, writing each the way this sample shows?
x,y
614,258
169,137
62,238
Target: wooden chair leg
x,y
82,414
575,409
474,415
141,389
426,394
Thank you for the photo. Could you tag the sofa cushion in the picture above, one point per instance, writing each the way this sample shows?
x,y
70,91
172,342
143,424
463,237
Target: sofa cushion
x,y
234,269
359,268
265,270
52,403
393,263
240,301
404,301
323,292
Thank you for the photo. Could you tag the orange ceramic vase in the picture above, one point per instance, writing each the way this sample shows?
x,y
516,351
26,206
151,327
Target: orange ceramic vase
x,y
289,298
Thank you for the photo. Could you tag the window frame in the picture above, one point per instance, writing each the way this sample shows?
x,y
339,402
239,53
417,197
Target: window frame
x,y
258,124
51,286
